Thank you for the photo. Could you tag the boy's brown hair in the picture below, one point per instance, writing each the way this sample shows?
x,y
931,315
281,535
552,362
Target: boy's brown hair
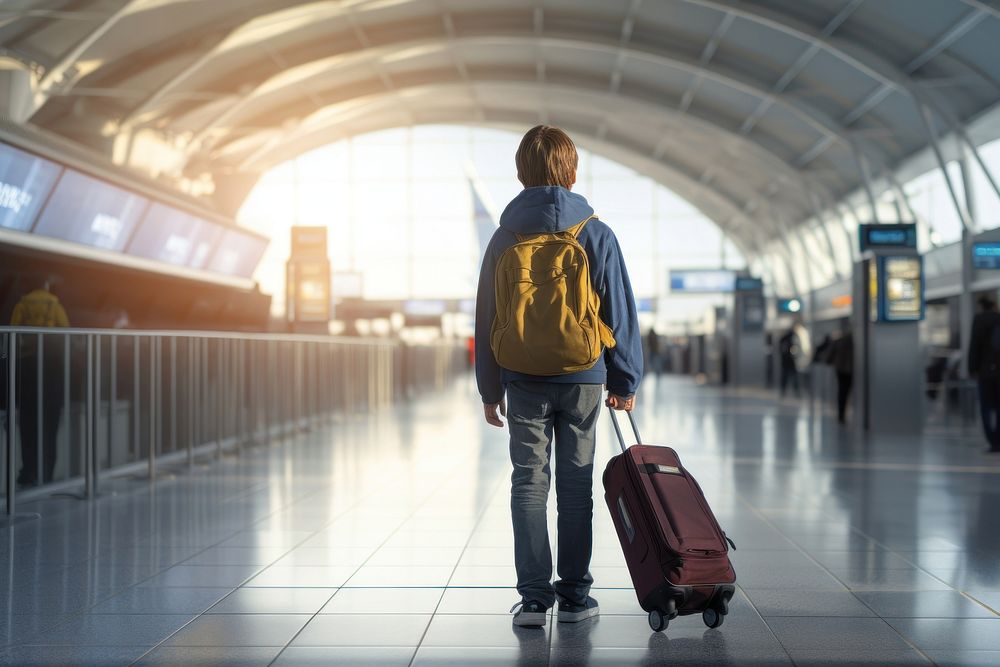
x,y
546,156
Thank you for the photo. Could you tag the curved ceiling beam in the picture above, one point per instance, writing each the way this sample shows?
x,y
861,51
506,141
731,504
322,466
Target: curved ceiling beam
x,y
302,76
888,75
830,130
662,140
729,214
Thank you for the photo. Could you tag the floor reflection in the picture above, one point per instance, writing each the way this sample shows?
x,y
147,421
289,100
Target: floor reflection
x,y
386,540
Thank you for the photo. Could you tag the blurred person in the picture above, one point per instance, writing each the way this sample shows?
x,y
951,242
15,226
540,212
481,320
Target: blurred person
x,y
39,308
984,366
540,405
841,356
803,358
788,351
653,346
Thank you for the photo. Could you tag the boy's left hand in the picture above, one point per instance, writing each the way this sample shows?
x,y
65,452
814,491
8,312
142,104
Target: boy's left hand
x,y
490,409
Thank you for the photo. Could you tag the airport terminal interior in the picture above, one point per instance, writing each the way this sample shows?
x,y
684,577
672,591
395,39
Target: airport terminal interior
x,y
240,256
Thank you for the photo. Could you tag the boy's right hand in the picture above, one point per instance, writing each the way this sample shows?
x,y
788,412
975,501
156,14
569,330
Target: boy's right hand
x,y
616,402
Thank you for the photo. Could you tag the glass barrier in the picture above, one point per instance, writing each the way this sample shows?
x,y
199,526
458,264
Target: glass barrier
x,y
87,403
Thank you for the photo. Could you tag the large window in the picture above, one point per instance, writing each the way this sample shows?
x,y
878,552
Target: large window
x,y
399,208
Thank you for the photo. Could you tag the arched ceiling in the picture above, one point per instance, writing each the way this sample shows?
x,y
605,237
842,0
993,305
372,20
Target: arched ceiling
x,y
754,110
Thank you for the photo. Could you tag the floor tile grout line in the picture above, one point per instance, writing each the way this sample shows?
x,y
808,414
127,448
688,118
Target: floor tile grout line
x,y
419,506
486,505
297,545
763,517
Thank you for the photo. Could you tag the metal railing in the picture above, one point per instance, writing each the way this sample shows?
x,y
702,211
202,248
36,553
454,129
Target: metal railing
x,y
80,404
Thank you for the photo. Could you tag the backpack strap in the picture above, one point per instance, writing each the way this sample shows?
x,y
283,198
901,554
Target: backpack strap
x,y
575,230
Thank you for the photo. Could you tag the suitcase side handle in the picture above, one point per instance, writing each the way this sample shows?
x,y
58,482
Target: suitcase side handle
x,y
618,430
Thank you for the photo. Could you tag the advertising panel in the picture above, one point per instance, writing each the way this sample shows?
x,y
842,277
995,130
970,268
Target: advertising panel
x,y
89,211
25,182
903,283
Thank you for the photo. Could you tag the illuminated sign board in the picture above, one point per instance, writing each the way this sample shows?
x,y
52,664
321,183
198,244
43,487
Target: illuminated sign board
x,y
903,286
887,236
25,182
91,212
986,255
789,306
702,281
896,289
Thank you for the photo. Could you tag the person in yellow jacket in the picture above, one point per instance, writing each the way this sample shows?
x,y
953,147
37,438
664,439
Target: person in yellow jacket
x,y
39,308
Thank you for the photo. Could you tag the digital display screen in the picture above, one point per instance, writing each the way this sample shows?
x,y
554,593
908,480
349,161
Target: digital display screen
x,y
89,211
986,255
903,279
887,236
170,235
237,254
702,281
25,182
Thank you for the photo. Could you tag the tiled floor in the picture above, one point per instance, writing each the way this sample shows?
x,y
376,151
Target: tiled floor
x,y
386,540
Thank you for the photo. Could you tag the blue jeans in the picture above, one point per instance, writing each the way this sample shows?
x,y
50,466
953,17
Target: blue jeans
x,y
537,411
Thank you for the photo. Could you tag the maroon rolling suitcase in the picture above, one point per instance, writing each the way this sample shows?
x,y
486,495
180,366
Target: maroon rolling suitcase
x,y
676,552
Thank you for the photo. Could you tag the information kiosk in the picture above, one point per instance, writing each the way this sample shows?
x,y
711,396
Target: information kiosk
x,y
746,345
888,306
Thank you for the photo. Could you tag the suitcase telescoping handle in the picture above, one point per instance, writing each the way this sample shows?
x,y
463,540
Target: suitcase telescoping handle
x,y
618,430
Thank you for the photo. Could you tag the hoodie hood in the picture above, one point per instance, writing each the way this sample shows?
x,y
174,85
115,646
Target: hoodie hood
x,y
549,208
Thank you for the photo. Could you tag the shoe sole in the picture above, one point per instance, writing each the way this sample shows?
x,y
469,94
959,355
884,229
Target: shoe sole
x,y
530,619
577,616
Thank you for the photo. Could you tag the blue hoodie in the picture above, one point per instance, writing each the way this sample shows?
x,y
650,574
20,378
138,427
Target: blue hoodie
x,y
551,209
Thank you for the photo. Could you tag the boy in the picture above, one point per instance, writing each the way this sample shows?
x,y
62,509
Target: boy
x,y
565,405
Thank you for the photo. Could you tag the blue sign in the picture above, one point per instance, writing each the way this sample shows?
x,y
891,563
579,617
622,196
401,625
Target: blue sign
x,y
986,255
887,236
702,281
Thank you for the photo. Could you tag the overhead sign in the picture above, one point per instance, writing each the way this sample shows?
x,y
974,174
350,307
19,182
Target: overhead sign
x,y
986,255
702,281
887,236
308,242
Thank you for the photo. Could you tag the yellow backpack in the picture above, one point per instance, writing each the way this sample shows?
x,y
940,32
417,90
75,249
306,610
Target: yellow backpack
x,y
548,315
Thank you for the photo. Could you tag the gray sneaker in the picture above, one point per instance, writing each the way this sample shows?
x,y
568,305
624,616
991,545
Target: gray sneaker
x,y
574,613
530,614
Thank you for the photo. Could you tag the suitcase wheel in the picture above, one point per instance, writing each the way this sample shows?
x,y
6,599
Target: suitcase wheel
x,y
713,617
657,621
